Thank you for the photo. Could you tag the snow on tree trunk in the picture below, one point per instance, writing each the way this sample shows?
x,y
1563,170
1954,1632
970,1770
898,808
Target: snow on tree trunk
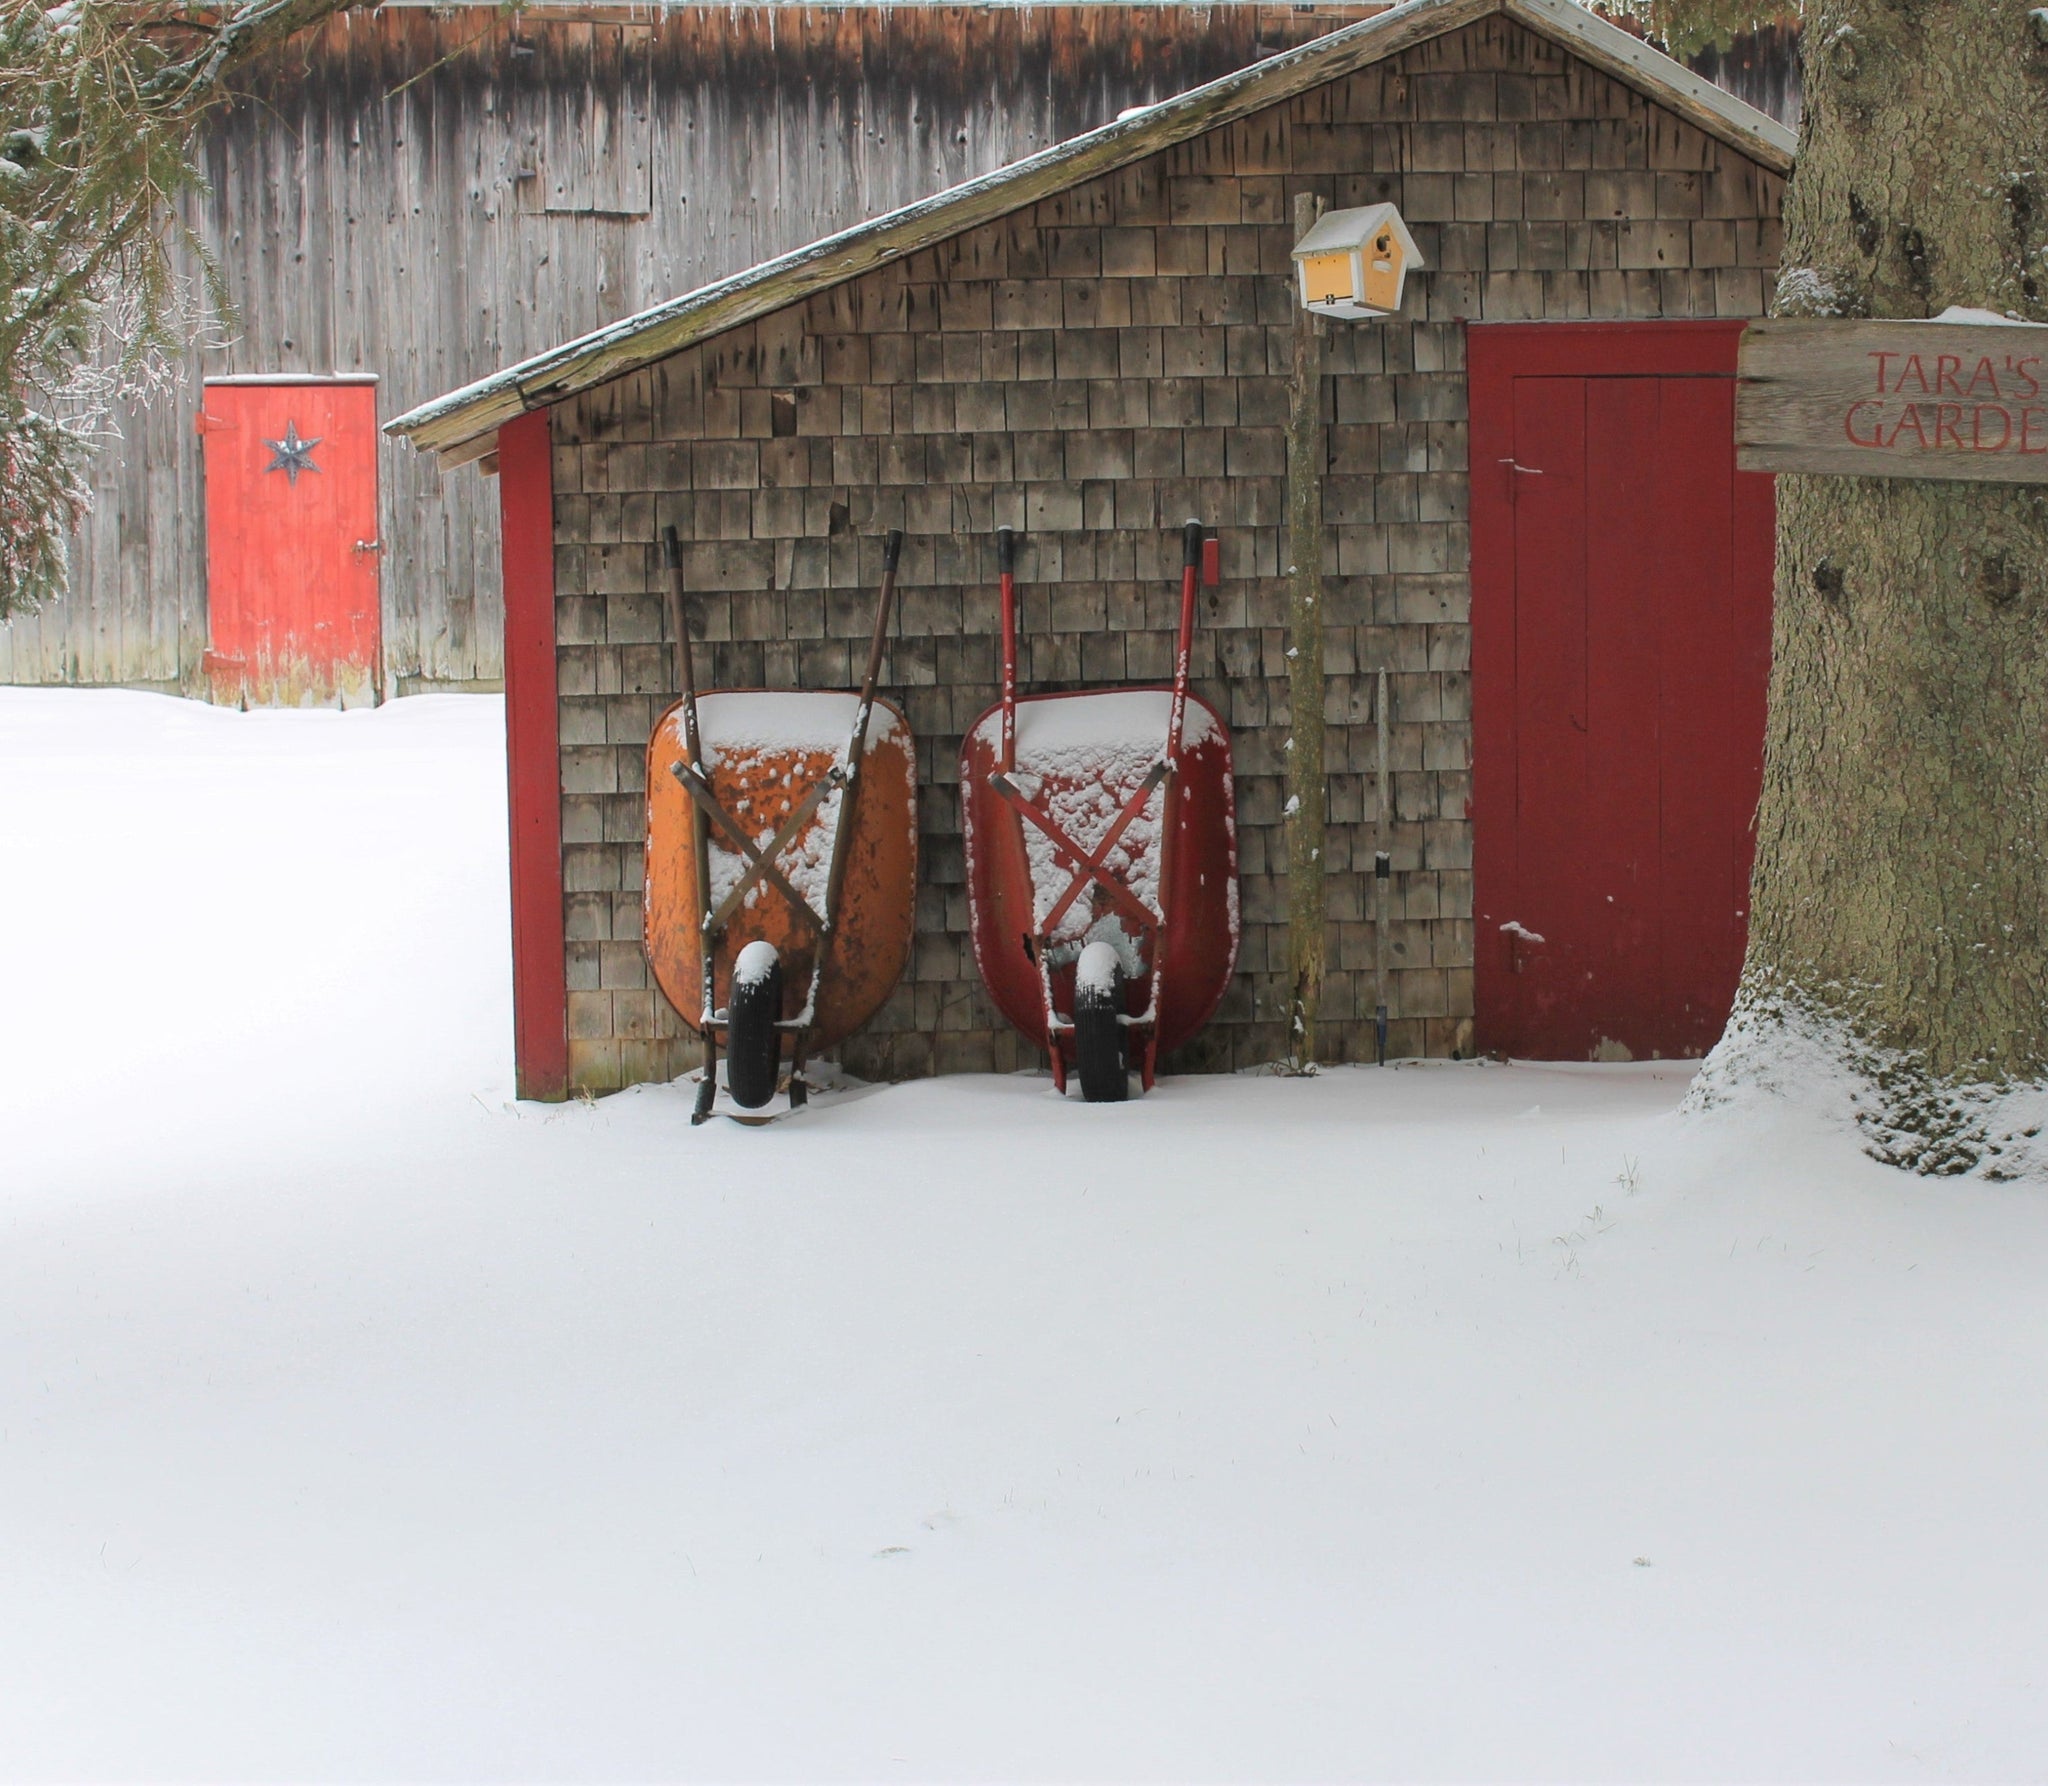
x,y
1900,908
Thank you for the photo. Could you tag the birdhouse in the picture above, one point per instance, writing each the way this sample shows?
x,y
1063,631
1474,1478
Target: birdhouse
x,y
1353,263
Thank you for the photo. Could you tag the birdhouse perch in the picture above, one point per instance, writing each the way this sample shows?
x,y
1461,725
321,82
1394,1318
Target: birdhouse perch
x,y
1353,263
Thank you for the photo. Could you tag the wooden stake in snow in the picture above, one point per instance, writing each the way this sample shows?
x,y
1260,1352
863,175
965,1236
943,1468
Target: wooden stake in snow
x,y
1382,869
1305,793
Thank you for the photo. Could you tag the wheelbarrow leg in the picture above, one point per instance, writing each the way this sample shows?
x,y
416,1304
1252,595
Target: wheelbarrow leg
x,y
1036,948
800,1055
707,1086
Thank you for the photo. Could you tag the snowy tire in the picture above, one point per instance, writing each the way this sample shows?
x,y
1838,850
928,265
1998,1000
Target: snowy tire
x,y
753,1045
1098,1029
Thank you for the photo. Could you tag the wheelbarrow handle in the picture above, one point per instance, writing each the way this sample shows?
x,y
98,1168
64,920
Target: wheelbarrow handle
x,y
679,629
892,555
848,778
1006,563
700,830
1191,534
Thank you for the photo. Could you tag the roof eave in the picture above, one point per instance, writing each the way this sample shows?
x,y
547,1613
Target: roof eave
x,y
450,422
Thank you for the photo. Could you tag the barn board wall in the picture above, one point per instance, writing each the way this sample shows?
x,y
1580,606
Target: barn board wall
x,y
1762,68
365,210
1093,370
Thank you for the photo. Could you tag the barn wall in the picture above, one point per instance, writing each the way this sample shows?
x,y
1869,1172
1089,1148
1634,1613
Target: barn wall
x,y
1093,370
368,212
1761,67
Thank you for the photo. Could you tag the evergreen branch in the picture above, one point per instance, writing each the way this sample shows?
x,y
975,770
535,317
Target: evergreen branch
x,y
100,106
1687,27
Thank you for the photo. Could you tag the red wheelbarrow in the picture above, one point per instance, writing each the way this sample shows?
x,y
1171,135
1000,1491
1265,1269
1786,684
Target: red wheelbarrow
x,y
1102,858
781,862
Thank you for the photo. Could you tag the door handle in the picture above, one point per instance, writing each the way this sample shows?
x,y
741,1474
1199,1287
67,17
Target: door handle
x,y
1517,935
369,545
1514,469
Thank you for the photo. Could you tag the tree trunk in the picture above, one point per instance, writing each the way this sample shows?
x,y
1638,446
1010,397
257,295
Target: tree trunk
x,y
1900,903
1305,785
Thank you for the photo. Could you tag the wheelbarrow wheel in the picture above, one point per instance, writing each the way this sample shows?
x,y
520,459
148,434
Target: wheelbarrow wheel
x,y
753,1045
1098,1031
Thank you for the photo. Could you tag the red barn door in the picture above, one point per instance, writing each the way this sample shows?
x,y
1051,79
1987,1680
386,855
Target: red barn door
x,y
291,541
1621,638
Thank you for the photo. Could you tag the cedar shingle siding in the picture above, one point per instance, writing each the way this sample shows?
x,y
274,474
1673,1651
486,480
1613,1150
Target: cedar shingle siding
x,y
1093,370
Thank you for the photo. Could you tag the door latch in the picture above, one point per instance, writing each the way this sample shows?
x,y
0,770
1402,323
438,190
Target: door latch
x,y
1518,935
369,545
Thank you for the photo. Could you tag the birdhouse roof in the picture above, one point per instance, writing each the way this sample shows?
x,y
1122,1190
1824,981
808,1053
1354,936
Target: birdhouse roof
x,y
1338,231
462,425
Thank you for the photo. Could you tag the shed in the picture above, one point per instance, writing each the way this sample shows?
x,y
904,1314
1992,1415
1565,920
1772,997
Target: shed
x,y
1533,523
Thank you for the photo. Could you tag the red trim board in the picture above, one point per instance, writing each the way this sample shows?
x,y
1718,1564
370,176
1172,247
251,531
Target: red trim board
x,y
540,986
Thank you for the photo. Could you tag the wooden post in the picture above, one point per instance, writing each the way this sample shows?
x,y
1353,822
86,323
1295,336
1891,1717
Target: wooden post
x,y
1382,865
1305,786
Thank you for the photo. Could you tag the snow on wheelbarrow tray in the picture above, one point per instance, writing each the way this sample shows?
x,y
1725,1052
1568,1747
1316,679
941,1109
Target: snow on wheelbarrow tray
x,y
1083,756
764,751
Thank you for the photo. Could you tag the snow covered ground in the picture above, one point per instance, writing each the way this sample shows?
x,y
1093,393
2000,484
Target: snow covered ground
x,y
1467,1422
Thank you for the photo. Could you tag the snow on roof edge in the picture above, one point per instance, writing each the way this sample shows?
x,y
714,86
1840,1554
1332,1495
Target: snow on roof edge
x,y
473,412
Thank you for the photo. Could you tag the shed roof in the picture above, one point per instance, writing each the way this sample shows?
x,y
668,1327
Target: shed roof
x,y
461,425
1339,230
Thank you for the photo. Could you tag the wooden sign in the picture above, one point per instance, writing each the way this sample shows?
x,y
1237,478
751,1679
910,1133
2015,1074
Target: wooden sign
x,y
1895,400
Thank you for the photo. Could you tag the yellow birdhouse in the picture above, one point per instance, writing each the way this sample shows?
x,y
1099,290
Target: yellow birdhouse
x,y
1353,263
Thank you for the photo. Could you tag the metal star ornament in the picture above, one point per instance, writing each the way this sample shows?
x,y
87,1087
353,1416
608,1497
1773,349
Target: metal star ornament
x,y
291,455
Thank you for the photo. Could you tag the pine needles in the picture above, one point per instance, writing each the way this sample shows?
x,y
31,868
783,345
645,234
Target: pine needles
x,y
99,104
1688,27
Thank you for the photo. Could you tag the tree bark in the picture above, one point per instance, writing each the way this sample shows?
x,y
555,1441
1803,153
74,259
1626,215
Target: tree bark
x,y
1305,782
1901,888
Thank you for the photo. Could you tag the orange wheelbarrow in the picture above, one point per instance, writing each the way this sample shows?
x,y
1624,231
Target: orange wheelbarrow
x,y
781,862
1102,858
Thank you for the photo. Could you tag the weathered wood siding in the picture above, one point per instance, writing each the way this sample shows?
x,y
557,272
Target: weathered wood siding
x,y
1762,68
368,209
1093,370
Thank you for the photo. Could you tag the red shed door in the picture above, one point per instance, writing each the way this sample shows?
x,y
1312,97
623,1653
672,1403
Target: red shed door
x,y
291,541
1621,637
